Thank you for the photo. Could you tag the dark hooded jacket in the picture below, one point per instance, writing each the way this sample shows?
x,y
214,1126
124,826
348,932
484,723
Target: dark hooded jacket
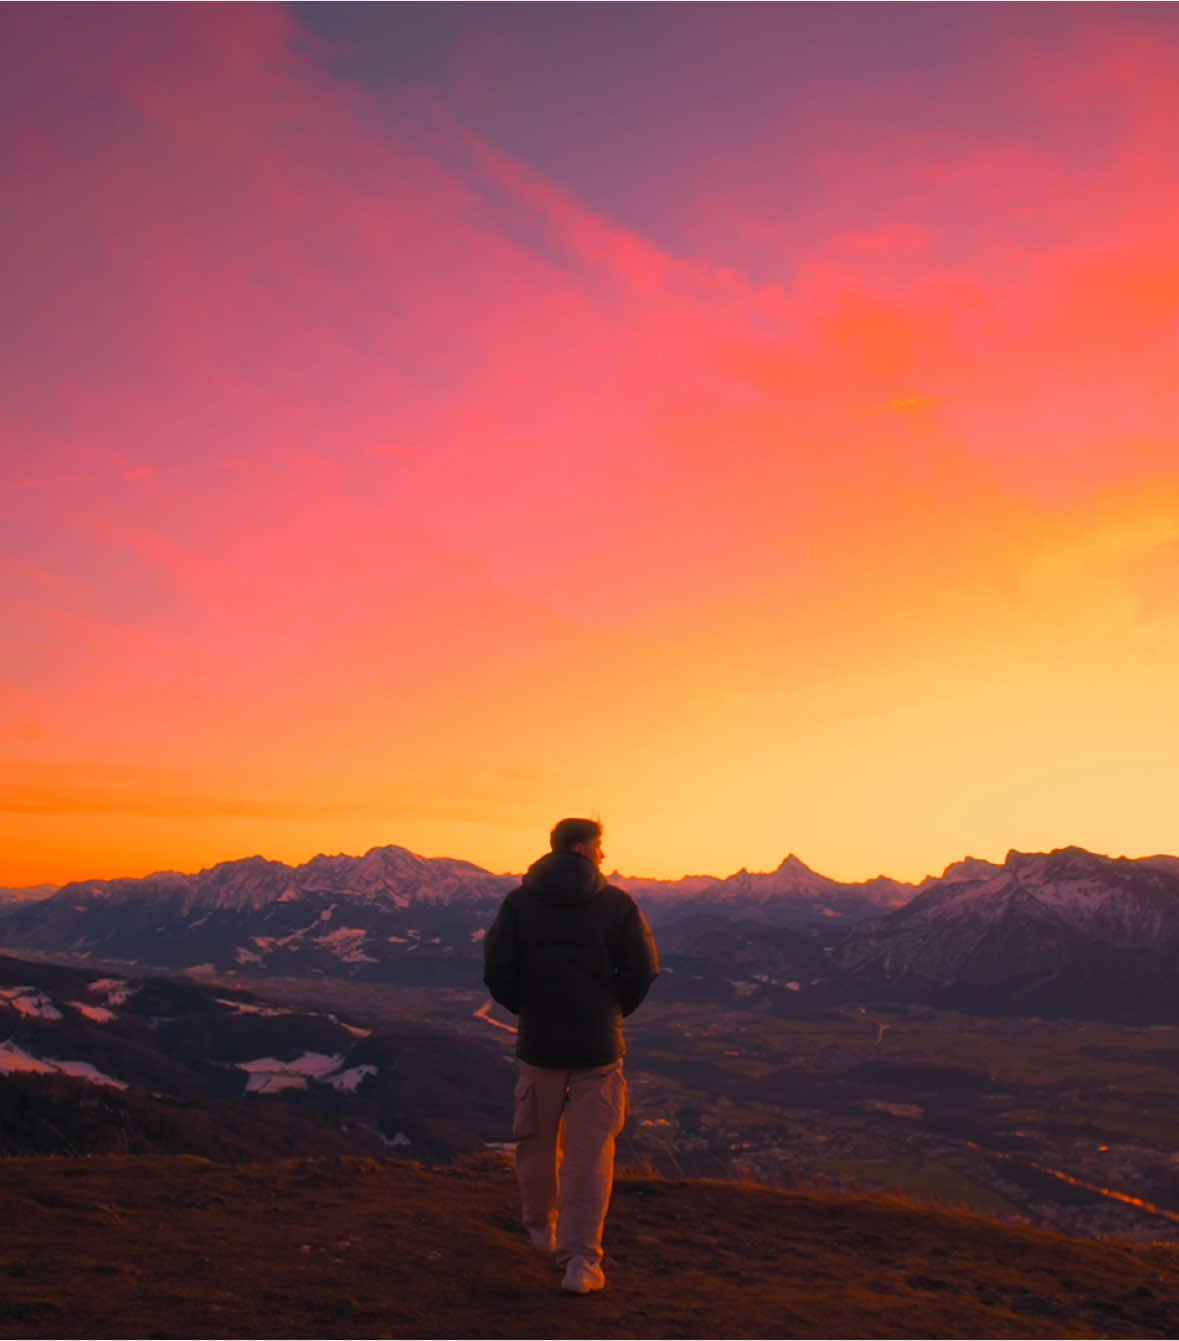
x,y
570,955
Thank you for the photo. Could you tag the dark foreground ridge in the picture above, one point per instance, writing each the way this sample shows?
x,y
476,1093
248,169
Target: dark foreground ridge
x,y
165,1246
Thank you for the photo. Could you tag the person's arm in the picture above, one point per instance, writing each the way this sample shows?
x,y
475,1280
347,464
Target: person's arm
x,y
636,960
501,960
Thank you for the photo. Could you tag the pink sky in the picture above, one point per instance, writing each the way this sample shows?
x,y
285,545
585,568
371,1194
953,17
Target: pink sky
x,y
375,472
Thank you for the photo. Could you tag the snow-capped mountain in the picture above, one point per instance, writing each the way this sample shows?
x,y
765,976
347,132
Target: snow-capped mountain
x,y
384,874
760,934
387,914
1067,932
791,896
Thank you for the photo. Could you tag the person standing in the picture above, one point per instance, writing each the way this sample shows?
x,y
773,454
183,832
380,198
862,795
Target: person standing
x,y
570,955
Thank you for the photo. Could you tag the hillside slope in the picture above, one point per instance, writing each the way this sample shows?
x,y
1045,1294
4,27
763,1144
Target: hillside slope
x,y
356,1248
155,1066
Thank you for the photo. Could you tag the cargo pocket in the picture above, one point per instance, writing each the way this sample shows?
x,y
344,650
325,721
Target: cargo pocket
x,y
524,1118
612,1103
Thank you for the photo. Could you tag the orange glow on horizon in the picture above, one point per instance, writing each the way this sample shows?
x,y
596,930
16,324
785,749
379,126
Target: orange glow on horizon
x,y
363,484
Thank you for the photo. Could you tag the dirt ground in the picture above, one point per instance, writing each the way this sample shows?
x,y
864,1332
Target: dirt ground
x,y
180,1247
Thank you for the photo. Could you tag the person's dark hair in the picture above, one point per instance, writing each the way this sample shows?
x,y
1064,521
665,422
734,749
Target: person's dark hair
x,y
567,833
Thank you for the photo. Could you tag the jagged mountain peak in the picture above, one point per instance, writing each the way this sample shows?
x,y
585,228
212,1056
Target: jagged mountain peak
x,y
396,874
383,854
969,868
1067,930
1059,859
255,862
393,915
796,864
370,915
791,873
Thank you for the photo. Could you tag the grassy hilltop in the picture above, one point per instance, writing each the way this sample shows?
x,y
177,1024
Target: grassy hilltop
x,y
173,1246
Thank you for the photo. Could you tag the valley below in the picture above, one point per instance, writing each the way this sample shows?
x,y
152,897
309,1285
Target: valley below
x,y
219,1156
1053,1123
1000,1039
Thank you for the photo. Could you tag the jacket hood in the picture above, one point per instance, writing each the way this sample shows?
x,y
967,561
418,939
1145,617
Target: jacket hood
x,y
564,877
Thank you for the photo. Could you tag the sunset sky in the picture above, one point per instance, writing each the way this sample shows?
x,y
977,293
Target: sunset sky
x,y
755,425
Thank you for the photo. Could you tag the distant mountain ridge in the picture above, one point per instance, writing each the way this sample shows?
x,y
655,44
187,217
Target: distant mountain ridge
x,y
25,893
793,895
1065,932
1130,904
390,873
387,914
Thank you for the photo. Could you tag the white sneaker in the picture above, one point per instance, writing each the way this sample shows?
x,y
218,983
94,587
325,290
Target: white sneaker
x,y
543,1240
582,1276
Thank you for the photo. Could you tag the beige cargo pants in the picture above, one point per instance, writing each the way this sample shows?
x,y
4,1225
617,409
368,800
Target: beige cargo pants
x,y
565,1127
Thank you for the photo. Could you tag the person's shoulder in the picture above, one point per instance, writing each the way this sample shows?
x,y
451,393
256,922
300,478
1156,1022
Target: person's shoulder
x,y
619,898
513,897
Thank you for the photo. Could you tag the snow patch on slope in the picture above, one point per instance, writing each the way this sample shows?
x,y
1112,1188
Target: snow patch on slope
x,y
251,1007
30,1002
114,990
354,1029
87,1071
347,943
269,1075
349,1080
272,1082
15,1060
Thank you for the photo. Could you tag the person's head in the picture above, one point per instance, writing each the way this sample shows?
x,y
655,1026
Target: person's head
x,y
578,835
